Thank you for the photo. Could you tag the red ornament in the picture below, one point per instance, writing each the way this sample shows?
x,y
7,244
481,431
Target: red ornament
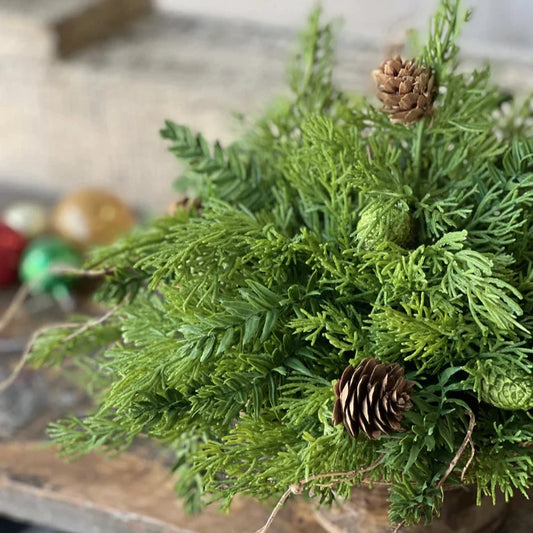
x,y
11,247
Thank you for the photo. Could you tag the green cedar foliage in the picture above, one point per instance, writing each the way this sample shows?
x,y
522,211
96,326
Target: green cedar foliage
x,y
240,318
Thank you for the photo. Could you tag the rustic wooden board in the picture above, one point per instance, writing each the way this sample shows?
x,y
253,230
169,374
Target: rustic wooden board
x,y
123,494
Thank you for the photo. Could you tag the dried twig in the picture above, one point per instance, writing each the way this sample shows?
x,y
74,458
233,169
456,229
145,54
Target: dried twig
x,y
398,527
293,489
15,305
4,385
26,288
300,486
346,475
90,324
470,459
68,271
467,440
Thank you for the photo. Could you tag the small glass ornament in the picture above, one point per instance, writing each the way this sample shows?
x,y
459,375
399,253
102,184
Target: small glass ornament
x,y
92,217
27,218
41,263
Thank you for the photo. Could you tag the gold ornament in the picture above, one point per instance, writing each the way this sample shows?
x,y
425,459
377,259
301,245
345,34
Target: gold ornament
x,y
91,217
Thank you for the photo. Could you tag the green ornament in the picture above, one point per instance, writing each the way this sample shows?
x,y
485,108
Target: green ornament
x,y
504,385
377,224
43,255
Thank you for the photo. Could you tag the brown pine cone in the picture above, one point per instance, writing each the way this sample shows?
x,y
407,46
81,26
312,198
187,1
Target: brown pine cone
x,y
372,398
185,202
406,90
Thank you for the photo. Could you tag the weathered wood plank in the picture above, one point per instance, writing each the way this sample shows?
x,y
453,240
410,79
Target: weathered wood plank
x,y
124,494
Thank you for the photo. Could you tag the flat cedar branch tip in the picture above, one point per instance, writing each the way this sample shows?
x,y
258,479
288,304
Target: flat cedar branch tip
x,y
330,233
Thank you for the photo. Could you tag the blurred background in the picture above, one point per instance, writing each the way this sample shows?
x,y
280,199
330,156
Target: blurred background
x,y
86,84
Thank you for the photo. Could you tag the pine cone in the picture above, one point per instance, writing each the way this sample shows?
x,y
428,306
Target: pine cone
x,y
394,224
186,203
505,386
405,89
371,398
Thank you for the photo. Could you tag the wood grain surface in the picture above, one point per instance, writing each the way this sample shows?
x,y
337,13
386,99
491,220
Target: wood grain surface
x,y
123,494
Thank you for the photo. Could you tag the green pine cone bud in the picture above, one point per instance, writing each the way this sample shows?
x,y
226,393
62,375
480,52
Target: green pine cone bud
x,y
377,224
505,386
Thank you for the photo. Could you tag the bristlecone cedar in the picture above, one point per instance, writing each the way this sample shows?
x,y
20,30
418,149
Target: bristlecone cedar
x,y
406,90
372,398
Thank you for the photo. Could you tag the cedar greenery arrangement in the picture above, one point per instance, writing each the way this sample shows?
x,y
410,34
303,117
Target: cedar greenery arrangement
x,y
351,303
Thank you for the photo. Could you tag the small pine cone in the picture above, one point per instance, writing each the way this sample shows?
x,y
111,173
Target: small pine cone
x,y
186,203
405,89
371,398
505,386
394,224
